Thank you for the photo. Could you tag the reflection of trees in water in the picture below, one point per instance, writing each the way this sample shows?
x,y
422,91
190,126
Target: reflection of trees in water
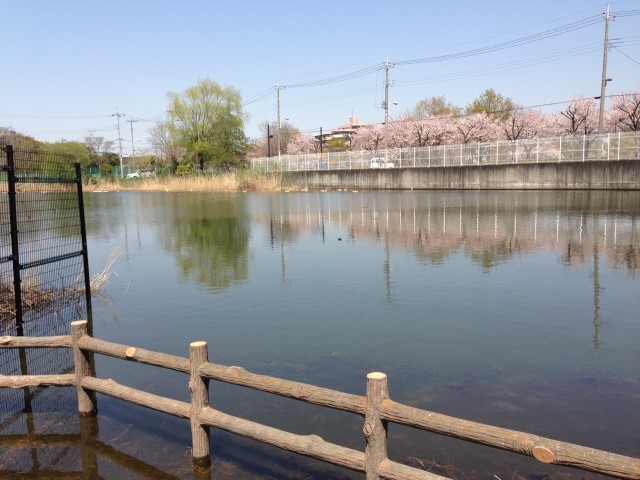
x,y
209,237
490,227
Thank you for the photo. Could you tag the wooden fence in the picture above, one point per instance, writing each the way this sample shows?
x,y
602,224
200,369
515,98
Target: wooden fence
x,y
376,408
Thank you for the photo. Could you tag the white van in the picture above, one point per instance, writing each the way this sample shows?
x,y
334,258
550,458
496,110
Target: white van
x,y
380,162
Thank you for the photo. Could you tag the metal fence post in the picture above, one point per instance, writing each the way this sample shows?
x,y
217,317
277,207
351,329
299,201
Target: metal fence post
x,y
618,145
15,250
584,145
538,150
497,151
85,250
560,153
375,429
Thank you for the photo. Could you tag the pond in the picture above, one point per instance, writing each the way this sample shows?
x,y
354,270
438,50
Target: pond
x,y
516,309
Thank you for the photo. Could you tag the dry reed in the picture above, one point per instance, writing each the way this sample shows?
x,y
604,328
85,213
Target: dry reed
x,y
224,182
34,297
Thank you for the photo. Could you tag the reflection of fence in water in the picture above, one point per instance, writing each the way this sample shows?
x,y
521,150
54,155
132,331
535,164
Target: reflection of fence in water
x,y
452,222
75,453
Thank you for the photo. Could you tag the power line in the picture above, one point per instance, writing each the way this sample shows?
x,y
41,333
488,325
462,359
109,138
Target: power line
x,y
336,79
503,67
554,32
632,59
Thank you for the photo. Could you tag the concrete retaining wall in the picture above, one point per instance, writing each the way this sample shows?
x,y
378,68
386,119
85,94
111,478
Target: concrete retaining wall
x,y
604,175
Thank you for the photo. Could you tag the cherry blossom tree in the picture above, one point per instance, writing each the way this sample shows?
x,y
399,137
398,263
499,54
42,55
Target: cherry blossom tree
x,y
303,143
433,130
477,127
579,118
399,133
368,137
625,112
525,124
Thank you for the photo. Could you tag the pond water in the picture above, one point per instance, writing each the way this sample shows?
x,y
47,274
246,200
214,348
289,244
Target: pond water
x,y
516,309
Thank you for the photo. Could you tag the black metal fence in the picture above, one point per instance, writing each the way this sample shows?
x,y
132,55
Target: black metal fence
x,y
44,282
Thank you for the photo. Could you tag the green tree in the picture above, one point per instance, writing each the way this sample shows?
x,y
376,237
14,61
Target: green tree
x,y
77,150
206,120
9,136
496,106
434,107
336,145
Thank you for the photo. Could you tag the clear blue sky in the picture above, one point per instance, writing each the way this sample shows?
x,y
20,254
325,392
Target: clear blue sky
x,y
67,65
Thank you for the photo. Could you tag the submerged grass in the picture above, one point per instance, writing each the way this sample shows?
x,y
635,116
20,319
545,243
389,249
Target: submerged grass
x,y
241,180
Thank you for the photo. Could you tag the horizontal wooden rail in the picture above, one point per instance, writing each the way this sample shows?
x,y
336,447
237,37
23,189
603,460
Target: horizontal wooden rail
x,y
21,381
540,448
59,341
309,445
140,355
138,397
286,388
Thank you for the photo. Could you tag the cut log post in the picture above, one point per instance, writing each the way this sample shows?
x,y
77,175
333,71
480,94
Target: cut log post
x,y
87,405
199,388
375,428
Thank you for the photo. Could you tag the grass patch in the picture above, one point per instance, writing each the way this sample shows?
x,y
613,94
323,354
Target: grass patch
x,y
240,180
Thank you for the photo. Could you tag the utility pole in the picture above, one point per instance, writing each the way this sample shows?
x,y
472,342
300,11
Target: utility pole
x,y
133,148
603,85
118,114
278,87
321,140
268,142
386,109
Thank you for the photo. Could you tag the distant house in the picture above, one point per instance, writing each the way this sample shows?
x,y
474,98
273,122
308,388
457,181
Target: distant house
x,y
343,131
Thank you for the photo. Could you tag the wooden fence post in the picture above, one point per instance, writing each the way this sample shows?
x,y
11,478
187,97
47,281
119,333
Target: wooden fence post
x,y
87,405
375,429
199,388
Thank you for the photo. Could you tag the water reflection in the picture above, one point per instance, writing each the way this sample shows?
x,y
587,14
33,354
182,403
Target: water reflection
x,y
74,453
209,239
208,235
490,227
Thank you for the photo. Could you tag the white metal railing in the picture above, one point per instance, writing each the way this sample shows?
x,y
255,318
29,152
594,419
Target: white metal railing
x,y
611,147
